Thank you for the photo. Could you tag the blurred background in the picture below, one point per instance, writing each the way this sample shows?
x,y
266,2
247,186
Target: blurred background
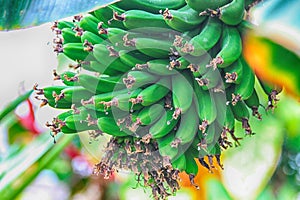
x,y
265,166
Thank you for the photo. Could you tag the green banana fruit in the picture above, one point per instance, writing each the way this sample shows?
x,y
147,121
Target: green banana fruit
x,y
241,113
182,93
191,168
164,147
109,56
49,91
75,94
183,19
245,89
99,84
205,40
179,163
109,126
70,36
158,67
136,19
67,77
137,66
63,24
79,123
90,23
153,6
225,116
60,104
96,102
188,127
231,48
75,51
201,5
162,127
131,58
150,114
92,38
234,72
136,79
209,80
153,47
232,13
253,103
106,15
154,92
102,68
122,101
206,107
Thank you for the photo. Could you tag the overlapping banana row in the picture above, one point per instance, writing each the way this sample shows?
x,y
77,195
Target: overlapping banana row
x,y
166,79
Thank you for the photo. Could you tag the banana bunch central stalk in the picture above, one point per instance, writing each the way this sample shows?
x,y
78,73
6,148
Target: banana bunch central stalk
x,y
165,79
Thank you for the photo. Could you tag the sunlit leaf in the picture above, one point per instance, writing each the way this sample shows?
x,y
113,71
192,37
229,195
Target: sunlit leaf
x,y
248,168
273,47
15,14
288,112
216,190
274,63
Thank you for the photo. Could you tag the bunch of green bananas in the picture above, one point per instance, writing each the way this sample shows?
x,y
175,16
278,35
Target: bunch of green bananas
x,y
166,79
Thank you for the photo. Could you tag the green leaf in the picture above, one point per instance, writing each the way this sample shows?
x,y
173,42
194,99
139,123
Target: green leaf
x,y
249,167
216,190
18,171
272,48
12,106
288,112
15,14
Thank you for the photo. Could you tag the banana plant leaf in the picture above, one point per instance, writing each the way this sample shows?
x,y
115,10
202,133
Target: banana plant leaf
x,y
273,47
18,171
13,105
16,14
249,167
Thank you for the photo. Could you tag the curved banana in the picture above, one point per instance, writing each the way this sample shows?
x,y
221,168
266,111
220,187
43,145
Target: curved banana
x,y
253,103
182,93
245,89
241,113
137,79
136,19
106,15
75,51
153,47
132,58
70,36
234,72
74,94
157,66
188,128
162,127
205,40
231,13
109,57
183,19
206,107
201,5
109,126
153,6
153,93
231,48
92,38
99,84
